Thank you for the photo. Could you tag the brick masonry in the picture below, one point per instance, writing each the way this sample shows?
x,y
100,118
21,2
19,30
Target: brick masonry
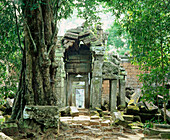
x,y
132,80
105,91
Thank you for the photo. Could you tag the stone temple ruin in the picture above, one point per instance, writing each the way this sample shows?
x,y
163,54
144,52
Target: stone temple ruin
x,y
82,68
84,73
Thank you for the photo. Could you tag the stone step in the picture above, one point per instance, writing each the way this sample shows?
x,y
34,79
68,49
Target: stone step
x,y
158,131
94,122
76,126
107,117
96,126
109,138
165,126
128,117
84,120
74,111
84,113
67,120
83,109
106,113
105,123
95,117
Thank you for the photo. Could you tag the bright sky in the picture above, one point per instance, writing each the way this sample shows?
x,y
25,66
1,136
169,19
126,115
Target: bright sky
x,y
107,20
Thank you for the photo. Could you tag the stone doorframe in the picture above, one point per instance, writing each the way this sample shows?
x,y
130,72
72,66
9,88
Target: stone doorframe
x,y
72,78
96,81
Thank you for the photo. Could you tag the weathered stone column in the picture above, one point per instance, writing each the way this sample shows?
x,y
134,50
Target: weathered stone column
x,y
122,92
96,82
113,95
60,77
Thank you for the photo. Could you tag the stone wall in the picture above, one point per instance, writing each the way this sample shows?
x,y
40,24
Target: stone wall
x,y
105,91
132,80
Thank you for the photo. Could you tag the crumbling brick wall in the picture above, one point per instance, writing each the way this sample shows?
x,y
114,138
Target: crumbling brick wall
x,y
132,80
105,91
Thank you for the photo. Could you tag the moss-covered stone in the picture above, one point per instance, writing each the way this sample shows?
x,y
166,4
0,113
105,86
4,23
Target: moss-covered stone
x,y
44,115
10,129
132,110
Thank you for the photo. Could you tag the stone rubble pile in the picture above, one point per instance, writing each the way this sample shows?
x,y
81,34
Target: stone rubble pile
x,y
93,124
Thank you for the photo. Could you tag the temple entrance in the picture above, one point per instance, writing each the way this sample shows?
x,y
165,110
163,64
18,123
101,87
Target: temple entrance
x,y
78,94
78,90
78,64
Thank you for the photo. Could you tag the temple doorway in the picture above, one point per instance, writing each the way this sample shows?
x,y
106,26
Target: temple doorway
x,y
78,94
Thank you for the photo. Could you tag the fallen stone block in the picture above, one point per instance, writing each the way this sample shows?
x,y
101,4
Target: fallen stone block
x,y
9,102
128,117
151,138
134,98
136,125
74,111
121,107
65,111
4,137
165,126
151,108
132,110
123,123
117,116
152,131
165,135
137,118
127,100
10,129
44,115
146,116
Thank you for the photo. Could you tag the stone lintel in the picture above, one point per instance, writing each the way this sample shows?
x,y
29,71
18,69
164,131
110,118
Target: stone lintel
x,y
108,76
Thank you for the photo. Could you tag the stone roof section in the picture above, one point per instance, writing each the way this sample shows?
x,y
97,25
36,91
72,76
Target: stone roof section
x,y
75,36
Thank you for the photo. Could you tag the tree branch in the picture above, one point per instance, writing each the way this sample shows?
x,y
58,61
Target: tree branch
x,y
35,47
55,27
43,38
17,28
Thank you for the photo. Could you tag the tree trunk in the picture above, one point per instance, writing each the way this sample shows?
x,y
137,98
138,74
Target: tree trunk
x,y
37,81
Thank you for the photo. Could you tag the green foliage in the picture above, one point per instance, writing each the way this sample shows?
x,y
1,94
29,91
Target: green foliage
x,y
118,39
149,123
62,9
11,34
88,10
10,53
147,22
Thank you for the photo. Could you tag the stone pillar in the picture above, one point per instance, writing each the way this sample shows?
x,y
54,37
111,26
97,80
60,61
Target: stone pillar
x,y
96,82
60,77
122,92
113,95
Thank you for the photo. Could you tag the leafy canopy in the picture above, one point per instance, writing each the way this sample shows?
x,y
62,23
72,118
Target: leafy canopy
x,y
147,22
10,52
